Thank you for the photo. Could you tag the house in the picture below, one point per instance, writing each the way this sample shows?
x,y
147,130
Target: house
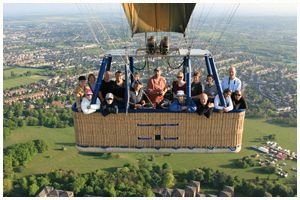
x,y
178,193
229,189
195,184
166,192
190,191
224,194
51,192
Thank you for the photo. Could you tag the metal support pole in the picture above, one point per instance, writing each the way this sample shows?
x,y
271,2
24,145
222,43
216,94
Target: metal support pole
x,y
188,69
131,68
99,78
127,84
108,63
208,65
217,80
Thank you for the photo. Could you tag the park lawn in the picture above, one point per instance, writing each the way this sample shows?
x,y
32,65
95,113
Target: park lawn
x,y
25,80
70,159
18,71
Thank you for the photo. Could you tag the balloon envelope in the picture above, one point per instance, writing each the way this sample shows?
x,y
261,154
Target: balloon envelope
x,y
158,17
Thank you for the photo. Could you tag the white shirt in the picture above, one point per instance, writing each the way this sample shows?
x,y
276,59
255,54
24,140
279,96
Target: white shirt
x,y
85,103
233,85
228,102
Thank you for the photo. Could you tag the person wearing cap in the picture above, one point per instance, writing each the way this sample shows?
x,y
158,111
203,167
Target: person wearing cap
x,y
157,87
86,106
238,100
228,102
106,86
80,91
196,86
204,107
136,100
109,106
231,82
179,84
181,103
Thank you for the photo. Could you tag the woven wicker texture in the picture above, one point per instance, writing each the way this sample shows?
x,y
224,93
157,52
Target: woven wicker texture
x,y
182,130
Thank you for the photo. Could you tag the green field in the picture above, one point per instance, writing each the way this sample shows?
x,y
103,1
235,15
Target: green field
x,y
55,158
10,82
25,80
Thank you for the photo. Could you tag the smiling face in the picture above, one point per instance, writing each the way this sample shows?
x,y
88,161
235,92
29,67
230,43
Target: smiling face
x,y
238,95
232,72
209,80
181,99
82,83
92,78
180,76
118,77
203,98
89,96
227,94
157,73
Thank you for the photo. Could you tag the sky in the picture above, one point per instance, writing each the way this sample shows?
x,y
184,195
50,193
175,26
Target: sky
x,y
245,8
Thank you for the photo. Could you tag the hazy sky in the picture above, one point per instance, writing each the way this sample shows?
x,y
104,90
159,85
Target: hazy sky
x,y
248,9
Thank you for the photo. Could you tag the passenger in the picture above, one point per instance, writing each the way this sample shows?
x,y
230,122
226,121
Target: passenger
x,y
231,82
118,88
79,92
106,86
109,106
86,105
157,87
136,100
92,81
136,77
228,107
210,88
180,84
182,103
238,100
205,107
196,86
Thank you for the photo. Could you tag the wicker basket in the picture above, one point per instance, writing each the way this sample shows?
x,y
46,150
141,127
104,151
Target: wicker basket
x,y
159,130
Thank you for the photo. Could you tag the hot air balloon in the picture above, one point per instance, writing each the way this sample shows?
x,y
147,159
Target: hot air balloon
x,y
158,130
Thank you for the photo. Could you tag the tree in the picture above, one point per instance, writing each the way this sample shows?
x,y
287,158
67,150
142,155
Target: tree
x,y
168,180
33,189
7,186
40,145
24,184
110,191
282,190
78,184
6,132
196,174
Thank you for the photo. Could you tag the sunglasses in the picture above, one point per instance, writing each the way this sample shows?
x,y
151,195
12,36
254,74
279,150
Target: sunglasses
x,y
109,99
89,95
179,76
238,95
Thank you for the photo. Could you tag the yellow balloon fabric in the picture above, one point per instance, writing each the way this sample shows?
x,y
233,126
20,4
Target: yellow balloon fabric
x,y
158,17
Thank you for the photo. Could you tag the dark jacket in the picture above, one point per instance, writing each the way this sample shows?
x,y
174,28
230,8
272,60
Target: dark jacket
x,y
241,104
204,110
135,99
109,108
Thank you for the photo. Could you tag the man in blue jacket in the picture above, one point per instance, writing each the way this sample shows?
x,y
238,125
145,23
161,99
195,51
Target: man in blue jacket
x,y
182,104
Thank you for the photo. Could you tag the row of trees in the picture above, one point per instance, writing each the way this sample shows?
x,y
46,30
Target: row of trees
x,y
17,116
132,180
16,156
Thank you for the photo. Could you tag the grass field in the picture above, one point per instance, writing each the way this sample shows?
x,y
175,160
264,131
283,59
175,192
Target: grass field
x,y
55,158
25,80
9,82
18,71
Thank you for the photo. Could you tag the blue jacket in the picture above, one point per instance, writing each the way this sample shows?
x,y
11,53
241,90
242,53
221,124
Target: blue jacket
x,y
176,106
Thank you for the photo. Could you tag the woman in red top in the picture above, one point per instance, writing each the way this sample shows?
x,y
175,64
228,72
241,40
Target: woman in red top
x,y
179,84
157,87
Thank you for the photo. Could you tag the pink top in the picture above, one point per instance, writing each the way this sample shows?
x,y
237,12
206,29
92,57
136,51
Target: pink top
x,y
156,85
